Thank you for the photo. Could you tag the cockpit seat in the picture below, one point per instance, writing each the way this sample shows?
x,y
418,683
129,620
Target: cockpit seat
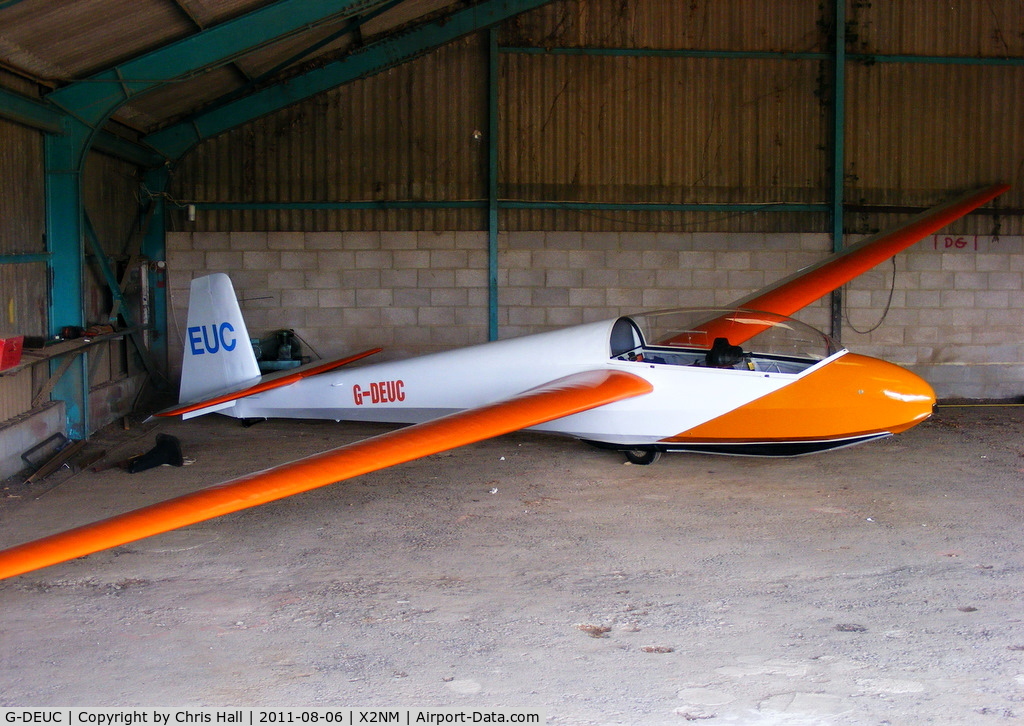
x,y
625,337
723,355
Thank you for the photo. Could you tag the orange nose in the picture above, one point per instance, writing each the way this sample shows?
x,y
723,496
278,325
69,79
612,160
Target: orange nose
x,y
881,395
853,395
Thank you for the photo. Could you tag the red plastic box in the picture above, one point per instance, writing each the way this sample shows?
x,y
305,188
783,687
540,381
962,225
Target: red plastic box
x,y
10,351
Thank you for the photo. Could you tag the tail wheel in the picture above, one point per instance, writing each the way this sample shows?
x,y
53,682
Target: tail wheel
x,y
643,457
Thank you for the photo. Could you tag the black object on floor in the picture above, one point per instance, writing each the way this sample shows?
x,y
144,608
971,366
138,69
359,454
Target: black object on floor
x,y
166,451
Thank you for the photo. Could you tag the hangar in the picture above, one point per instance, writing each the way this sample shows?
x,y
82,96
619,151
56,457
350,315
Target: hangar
x,y
422,175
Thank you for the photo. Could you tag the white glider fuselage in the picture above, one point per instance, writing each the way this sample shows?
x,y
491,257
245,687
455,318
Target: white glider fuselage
x,y
427,387
687,394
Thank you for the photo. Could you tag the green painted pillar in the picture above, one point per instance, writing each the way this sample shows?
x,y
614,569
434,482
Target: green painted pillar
x,y
63,164
838,153
492,183
154,248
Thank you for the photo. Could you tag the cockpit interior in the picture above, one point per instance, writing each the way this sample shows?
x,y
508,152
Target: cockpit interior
x,y
744,340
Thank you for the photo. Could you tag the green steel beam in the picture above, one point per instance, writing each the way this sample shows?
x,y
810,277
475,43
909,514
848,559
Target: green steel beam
x,y
353,25
667,53
838,153
49,119
126,150
93,99
64,220
107,270
64,226
315,206
493,126
154,249
941,60
23,259
175,140
124,310
865,58
518,204
656,207
29,112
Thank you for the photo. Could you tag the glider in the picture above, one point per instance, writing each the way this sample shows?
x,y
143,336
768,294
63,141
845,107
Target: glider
x,y
746,380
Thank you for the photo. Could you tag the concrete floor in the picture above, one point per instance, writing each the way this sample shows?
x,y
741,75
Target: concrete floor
x,y
876,585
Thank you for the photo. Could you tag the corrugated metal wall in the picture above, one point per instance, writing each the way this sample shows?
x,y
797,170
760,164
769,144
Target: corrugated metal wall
x,y
659,130
111,198
636,128
918,126
966,28
23,287
409,134
923,127
747,25
111,195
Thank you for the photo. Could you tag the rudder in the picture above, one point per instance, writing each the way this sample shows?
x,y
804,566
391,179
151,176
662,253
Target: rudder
x,y
217,355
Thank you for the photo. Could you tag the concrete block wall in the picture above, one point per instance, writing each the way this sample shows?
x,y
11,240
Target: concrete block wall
x,y
954,314
21,433
408,292
113,400
553,279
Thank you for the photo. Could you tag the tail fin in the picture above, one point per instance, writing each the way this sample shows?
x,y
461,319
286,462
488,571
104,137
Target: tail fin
x,y
217,356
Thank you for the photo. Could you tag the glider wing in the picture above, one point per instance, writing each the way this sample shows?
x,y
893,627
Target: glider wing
x,y
795,292
562,397
800,289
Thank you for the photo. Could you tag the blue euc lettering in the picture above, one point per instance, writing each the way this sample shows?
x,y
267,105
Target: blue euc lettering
x,y
229,345
206,339
194,340
202,340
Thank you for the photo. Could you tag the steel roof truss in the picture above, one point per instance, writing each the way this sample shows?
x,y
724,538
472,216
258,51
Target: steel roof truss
x,y
92,100
177,139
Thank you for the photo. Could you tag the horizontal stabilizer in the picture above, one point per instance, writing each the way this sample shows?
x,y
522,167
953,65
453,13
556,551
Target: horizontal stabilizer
x,y
562,397
265,384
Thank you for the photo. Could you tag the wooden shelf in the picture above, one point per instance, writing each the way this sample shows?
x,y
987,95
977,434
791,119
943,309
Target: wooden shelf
x,y
33,356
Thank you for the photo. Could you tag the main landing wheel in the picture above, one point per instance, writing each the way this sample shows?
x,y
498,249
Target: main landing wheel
x,y
643,457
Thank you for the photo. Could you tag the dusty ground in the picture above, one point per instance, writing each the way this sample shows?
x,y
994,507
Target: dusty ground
x,y
881,584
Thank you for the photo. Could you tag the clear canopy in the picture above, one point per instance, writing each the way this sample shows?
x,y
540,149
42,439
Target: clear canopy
x,y
757,332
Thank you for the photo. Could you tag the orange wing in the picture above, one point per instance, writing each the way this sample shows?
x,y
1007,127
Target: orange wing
x,y
800,289
793,293
267,383
563,397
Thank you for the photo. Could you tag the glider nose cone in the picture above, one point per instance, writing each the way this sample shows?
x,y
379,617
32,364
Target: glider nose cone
x,y
897,398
